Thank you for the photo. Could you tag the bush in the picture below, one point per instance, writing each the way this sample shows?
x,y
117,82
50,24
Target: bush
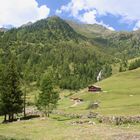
x,y
93,105
135,64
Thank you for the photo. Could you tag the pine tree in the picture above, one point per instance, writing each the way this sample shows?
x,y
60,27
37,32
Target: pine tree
x,y
47,98
11,95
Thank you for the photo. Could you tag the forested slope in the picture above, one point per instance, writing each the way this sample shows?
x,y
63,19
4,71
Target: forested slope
x,y
52,45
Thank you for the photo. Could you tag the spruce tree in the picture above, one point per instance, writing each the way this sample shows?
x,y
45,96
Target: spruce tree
x,y
11,95
47,98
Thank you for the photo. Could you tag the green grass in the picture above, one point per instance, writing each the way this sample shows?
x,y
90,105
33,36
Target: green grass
x,y
123,93
49,129
55,129
120,96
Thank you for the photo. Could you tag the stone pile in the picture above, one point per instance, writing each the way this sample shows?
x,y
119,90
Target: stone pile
x,y
119,120
80,122
75,116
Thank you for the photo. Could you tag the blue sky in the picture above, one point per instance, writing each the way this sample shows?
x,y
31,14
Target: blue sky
x,y
109,19
53,4
113,14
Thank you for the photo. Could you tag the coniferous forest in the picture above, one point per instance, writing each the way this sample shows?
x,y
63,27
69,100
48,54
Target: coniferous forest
x,y
52,44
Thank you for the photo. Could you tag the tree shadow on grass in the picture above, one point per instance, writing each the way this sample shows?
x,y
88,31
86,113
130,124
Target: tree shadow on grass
x,y
61,118
29,117
8,138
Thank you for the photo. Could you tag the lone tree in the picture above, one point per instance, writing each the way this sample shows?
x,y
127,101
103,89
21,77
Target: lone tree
x,y
47,98
11,96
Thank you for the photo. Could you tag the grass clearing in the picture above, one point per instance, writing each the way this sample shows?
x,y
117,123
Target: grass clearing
x,y
54,129
120,96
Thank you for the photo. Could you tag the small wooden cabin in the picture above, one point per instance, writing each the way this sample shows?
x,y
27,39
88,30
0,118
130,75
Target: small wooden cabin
x,y
94,89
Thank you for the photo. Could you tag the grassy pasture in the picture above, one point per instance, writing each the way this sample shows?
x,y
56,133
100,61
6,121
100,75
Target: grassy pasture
x,y
55,129
120,96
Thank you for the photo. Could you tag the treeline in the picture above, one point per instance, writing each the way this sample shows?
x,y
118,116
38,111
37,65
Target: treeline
x,y
135,64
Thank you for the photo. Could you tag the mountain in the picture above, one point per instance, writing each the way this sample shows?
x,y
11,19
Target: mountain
x,y
27,24
124,43
90,30
53,45
52,28
118,43
74,52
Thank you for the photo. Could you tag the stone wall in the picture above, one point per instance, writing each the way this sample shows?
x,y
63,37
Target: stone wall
x,y
119,120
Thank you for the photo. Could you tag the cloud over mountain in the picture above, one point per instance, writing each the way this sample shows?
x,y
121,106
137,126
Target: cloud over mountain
x,y
17,12
88,10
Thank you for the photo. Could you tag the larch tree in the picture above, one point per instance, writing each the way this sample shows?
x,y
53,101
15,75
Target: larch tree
x,y
47,98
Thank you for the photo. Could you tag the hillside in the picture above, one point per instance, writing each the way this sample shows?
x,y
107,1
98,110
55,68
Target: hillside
x,y
50,29
117,43
120,96
52,45
123,90
90,30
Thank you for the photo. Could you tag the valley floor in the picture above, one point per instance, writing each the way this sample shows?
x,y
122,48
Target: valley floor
x,y
55,129
120,97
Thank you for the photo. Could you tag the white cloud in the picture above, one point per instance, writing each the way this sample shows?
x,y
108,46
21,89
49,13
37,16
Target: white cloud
x,y
137,26
89,17
127,9
17,12
58,11
106,25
